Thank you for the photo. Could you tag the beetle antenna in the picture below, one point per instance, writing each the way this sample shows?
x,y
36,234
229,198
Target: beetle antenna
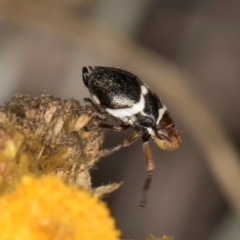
x,y
183,131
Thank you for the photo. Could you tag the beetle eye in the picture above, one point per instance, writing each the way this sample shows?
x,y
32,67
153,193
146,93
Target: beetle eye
x,y
162,134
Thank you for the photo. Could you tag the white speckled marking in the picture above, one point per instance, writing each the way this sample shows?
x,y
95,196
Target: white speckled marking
x,y
144,90
151,132
161,111
128,112
95,99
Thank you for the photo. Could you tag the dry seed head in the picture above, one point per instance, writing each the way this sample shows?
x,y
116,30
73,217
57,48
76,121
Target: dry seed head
x,y
55,136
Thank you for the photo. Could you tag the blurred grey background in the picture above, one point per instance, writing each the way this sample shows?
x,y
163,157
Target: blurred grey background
x,y
45,44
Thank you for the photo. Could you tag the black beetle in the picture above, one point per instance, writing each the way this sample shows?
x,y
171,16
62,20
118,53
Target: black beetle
x,y
120,96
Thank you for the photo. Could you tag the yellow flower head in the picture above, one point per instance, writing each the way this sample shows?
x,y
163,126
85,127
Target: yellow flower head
x,y
47,209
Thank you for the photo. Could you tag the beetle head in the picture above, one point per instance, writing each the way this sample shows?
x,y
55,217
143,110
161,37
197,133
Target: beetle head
x,y
166,135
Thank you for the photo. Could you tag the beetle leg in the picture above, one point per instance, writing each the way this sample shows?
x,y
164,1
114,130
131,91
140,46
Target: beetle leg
x,y
94,111
91,112
128,141
149,168
90,127
116,128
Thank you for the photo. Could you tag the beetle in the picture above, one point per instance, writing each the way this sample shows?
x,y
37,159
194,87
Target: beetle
x,y
118,96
